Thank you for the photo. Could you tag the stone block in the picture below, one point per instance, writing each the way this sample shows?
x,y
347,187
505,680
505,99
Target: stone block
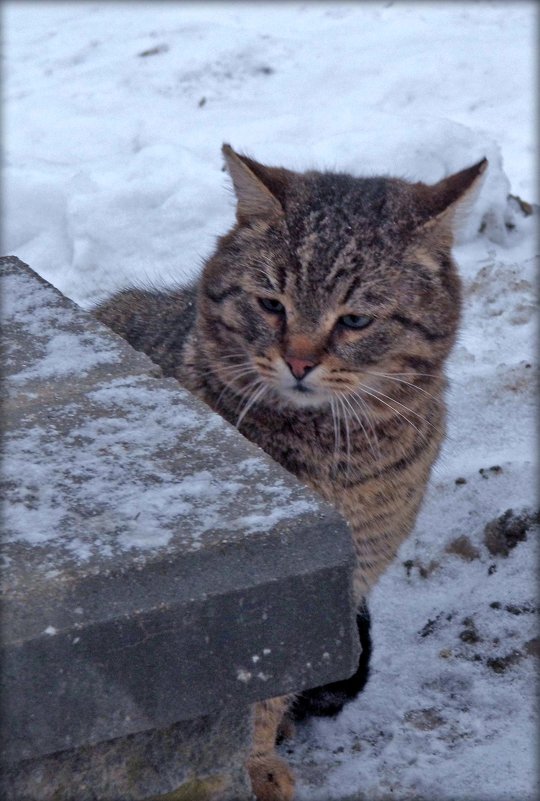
x,y
195,760
159,568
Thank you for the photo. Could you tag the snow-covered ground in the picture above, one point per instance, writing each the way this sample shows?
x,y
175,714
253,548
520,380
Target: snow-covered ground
x,y
113,121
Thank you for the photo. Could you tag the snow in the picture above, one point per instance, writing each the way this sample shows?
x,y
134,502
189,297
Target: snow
x,y
114,118
112,157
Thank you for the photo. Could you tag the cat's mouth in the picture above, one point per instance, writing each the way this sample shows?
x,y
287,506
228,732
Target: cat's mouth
x,y
299,387
295,391
303,395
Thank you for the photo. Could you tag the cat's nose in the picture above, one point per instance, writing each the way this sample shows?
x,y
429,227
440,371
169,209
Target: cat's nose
x,y
299,367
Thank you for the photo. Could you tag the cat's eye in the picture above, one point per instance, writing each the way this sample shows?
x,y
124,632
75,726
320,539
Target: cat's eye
x,y
356,321
272,305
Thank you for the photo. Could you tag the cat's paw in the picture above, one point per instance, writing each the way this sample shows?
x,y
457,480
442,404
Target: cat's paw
x,y
271,778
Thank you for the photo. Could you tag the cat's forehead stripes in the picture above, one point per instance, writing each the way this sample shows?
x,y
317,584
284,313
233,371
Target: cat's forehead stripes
x,y
354,285
351,234
266,279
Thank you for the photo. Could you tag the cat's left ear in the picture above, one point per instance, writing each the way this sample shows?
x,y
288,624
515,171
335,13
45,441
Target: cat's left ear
x,y
444,203
259,190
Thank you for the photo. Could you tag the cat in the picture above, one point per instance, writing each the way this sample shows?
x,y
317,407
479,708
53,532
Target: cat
x,y
320,328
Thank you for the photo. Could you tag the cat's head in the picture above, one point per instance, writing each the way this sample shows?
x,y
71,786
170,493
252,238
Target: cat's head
x,y
328,282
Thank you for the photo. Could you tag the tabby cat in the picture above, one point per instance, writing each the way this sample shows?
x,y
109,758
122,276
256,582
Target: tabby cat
x,y
320,328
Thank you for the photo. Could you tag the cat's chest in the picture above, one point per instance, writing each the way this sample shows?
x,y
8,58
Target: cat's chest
x,y
309,446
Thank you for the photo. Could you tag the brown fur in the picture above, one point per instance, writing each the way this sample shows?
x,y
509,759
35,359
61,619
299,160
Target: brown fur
x,y
366,422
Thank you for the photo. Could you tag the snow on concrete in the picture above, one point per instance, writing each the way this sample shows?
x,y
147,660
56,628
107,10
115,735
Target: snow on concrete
x,y
69,477
52,328
114,117
98,463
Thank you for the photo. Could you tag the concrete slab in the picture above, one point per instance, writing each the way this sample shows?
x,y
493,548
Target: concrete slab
x,y
158,567
194,760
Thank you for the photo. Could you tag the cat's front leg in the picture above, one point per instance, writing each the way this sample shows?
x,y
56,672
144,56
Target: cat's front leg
x,y
329,699
271,777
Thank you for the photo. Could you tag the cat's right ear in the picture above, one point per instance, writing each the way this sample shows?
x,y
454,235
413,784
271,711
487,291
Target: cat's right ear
x,y
257,187
444,205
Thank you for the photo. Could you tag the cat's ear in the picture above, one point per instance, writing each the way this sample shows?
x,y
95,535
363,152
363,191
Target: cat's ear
x,y
258,188
444,203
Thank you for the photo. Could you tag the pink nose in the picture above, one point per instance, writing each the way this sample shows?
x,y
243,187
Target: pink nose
x,y
299,367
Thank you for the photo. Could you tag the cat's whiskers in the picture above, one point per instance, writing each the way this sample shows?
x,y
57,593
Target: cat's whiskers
x,y
348,401
228,376
414,373
403,406
222,368
347,434
366,391
217,361
244,363
235,371
391,377
258,390
336,424
269,376
226,389
238,355
371,420
339,393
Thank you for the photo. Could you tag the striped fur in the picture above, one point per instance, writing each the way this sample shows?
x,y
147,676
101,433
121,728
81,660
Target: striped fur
x,y
366,421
